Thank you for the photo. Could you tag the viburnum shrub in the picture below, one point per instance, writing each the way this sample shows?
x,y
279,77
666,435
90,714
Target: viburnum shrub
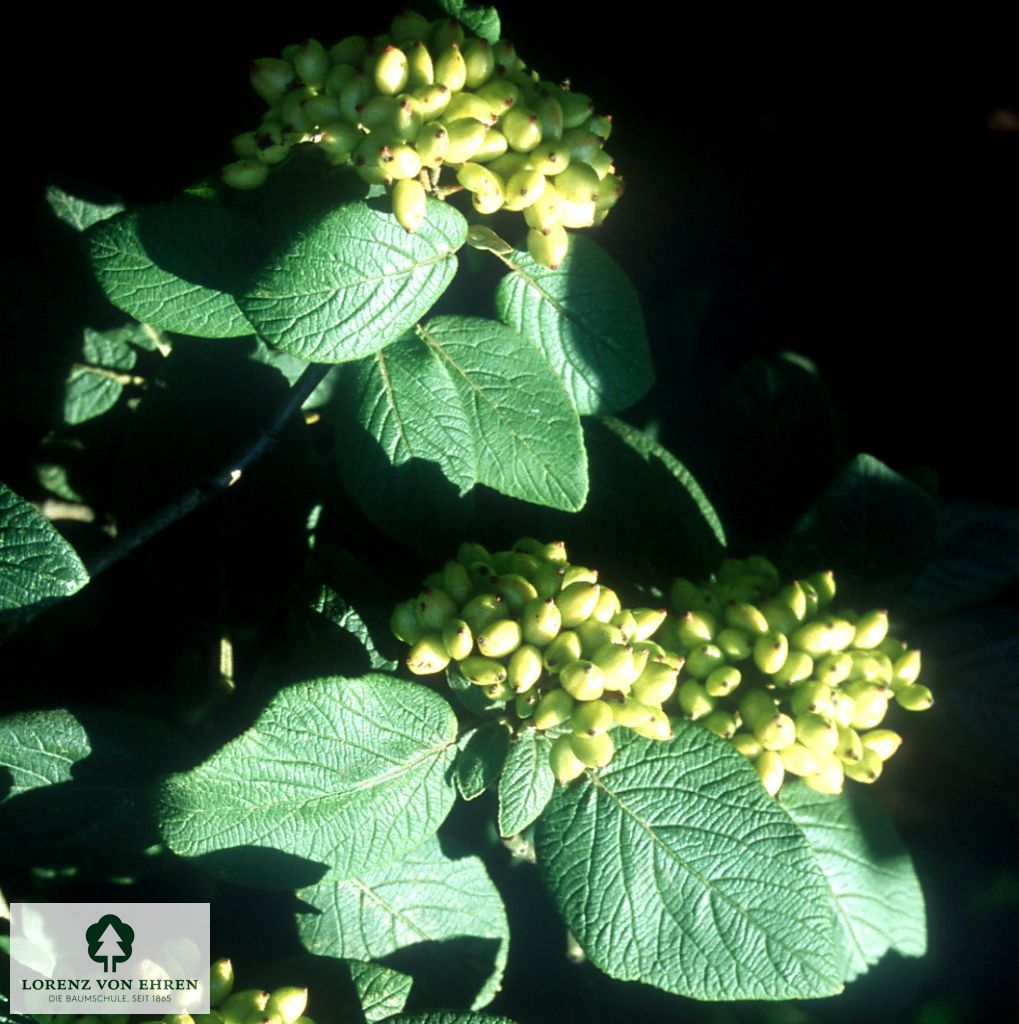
x,y
363,731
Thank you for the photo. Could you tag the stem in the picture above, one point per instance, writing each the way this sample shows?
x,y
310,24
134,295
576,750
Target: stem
x,y
217,482
125,379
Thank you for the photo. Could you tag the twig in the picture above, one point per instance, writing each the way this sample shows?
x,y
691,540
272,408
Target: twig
x,y
215,484
124,379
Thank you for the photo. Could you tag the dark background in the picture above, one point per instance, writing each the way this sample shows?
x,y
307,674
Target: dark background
x,y
845,190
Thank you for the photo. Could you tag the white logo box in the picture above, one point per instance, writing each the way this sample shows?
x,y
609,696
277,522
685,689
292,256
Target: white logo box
x,y
109,958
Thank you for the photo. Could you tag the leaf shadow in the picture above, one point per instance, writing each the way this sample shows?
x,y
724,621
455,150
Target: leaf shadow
x,y
449,973
261,867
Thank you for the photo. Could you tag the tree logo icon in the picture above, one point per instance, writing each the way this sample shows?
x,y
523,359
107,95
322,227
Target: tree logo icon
x,y
109,942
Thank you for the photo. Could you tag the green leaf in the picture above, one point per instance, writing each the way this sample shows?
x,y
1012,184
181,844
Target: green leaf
x,y
585,318
473,697
481,20
424,898
874,889
354,281
344,616
975,654
36,563
78,212
526,784
674,867
177,265
870,523
482,753
314,778
691,509
74,785
407,402
89,391
382,991
526,435
976,558
449,1017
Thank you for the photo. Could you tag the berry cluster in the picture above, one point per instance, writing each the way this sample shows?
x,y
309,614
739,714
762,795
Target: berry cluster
x,y
284,1005
550,641
794,685
403,108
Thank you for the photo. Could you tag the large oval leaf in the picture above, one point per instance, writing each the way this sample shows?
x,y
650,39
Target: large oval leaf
x,y
674,867
426,897
346,773
585,318
874,889
354,281
72,778
527,440
36,563
177,265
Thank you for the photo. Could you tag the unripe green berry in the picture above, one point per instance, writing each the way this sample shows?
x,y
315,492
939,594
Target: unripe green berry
x,y
525,668
648,621
835,668
566,766
703,660
466,136
696,627
428,655
499,638
684,594
797,667
884,742
756,707
525,703
734,644
482,671
432,144
515,590
493,146
817,733
482,610
392,72
338,140
616,663
311,64
693,699
915,697
240,1005
868,769
747,744
594,635
553,709
816,638
777,733
823,585
522,128
594,751
607,606
721,722
221,981
271,78
550,116
722,681
871,629
658,728
548,579
631,713
770,652
798,760
849,748
813,695
289,1002
745,617
480,61
770,770
410,203
524,189
540,621
626,622
582,680
578,574
457,639
432,100
592,717
576,602
561,651
435,608
410,27
450,68
829,777
906,669
244,174
447,32
656,684
476,178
